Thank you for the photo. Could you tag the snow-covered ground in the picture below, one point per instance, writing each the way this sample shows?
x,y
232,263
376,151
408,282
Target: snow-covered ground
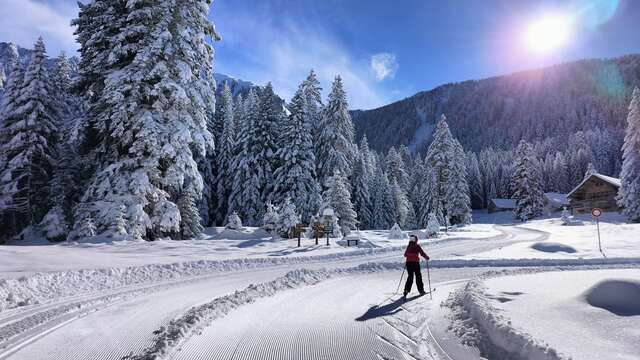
x,y
578,240
270,297
588,314
25,258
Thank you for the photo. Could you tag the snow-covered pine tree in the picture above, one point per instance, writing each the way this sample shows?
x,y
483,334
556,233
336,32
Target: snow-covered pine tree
x,y
313,102
12,87
86,229
474,179
383,206
566,216
440,157
396,170
629,195
224,153
361,195
458,203
152,83
401,203
28,138
433,226
336,139
242,188
396,232
261,160
289,218
338,197
191,225
54,224
234,222
271,219
560,176
295,176
526,182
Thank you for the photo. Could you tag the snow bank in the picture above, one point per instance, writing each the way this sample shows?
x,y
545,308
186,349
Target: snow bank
x,y
169,338
546,313
480,324
621,297
42,287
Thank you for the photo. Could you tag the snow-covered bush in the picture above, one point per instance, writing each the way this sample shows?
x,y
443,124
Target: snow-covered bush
x,y
234,222
271,219
433,227
311,232
337,232
288,217
54,225
566,216
87,228
396,232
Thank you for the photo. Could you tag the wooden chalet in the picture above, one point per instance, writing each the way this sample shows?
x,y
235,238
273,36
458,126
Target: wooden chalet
x,y
595,191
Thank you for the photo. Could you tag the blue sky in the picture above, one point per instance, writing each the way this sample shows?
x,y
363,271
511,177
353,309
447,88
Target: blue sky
x,y
384,50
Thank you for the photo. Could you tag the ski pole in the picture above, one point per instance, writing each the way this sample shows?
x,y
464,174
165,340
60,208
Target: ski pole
x,y
429,280
400,282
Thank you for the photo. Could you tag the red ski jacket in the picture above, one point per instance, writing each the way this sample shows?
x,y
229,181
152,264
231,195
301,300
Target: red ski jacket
x,y
413,252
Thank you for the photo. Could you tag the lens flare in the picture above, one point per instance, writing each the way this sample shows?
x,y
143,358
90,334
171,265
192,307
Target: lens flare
x,y
548,33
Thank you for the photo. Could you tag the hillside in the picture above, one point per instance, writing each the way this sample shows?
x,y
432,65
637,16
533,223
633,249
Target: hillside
x,y
549,103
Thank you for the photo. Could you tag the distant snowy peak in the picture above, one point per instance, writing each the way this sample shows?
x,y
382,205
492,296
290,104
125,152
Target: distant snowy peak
x,y
237,86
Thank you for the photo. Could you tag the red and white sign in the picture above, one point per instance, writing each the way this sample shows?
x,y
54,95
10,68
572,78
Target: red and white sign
x,y
596,212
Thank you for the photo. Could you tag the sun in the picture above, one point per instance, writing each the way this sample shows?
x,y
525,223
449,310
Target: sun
x,y
548,33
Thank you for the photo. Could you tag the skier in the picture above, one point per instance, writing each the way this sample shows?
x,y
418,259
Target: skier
x,y
412,254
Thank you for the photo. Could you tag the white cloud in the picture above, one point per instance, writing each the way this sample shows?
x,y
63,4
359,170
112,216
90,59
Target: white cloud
x,y
23,21
284,55
384,65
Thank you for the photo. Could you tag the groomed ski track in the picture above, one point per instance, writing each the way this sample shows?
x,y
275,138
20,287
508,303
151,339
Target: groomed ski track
x,y
121,322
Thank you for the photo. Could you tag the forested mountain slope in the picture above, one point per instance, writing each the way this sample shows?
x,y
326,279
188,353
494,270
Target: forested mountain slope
x,y
546,104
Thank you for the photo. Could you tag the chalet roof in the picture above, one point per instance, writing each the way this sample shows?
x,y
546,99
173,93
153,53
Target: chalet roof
x,y
504,203
557,198
608,179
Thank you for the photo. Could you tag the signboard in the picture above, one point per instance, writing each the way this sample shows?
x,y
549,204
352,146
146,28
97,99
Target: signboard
x,y
596,212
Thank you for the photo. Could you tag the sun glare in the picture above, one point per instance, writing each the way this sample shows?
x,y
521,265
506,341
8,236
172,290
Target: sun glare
x,y
548,33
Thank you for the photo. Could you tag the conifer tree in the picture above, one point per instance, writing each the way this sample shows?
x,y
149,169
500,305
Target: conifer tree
x,y
288,217
526,181
361,194
401,203
149,69
629,195
261,158
28,138
383,207
243,190
446,158
224,154
395,167
336,139
191,224
271,219
338,198
295,176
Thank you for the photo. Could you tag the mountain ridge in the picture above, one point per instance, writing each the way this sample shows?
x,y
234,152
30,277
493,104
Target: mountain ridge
x,y
606,86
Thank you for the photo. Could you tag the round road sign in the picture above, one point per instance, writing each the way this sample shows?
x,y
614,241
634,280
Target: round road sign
x,y
596,212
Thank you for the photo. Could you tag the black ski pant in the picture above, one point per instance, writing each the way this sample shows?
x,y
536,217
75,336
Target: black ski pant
x,y
413,268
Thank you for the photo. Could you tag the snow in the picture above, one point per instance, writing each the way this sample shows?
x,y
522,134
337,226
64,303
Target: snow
x,y
619,239
504,203
557,199
611,180
564,310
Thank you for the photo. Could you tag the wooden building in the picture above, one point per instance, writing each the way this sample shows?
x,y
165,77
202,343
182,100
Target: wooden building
x,y
496,205
595,191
